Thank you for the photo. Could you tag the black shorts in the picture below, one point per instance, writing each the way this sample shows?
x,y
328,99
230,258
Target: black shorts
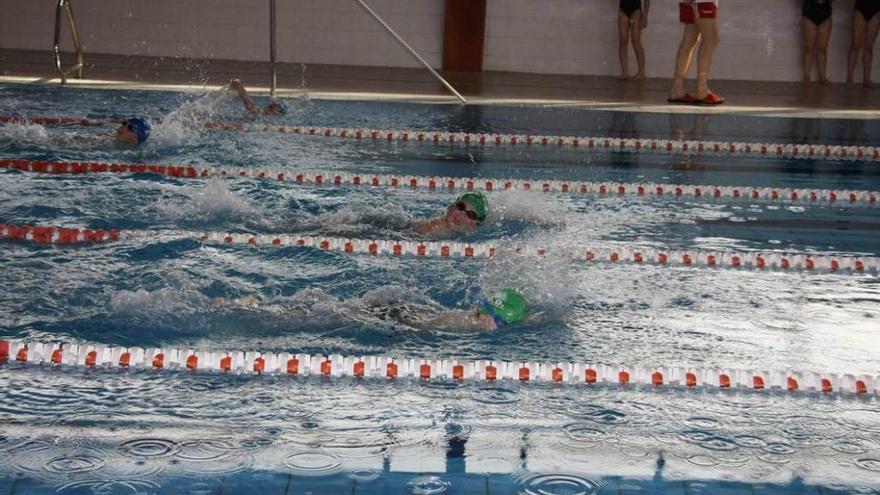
x,y
868,8
629,7
817,11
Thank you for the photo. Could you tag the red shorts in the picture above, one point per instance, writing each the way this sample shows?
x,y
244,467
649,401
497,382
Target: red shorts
x,y
689,12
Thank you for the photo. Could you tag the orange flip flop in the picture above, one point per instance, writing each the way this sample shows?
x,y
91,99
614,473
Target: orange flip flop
x,y
711,99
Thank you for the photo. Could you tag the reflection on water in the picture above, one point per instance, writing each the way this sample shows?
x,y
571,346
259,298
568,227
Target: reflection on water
x,y
551,440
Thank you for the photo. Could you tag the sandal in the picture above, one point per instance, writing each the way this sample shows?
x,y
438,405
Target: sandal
x,y
711,99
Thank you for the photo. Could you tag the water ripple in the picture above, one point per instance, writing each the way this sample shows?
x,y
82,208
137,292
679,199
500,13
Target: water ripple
x,y
559,484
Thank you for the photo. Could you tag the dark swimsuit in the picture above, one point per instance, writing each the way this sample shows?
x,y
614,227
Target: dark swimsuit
x,y
629,7
868,8
817,11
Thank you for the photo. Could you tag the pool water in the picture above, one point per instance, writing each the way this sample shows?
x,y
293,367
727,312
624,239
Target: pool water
x,y
103,431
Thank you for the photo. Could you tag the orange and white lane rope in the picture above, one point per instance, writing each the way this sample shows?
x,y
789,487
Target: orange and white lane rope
x,y
802,262
394,368
606,143
81,121
442,184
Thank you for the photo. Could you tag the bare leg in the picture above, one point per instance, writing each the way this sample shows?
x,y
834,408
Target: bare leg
x,y
823,35
858,40
868,55
623,27
689,41
809,40
709,33
636,35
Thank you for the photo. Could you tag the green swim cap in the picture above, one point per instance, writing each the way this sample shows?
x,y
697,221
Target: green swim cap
x,y
507,307
477,201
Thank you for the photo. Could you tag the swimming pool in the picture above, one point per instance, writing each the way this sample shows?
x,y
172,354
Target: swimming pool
x,y
106,430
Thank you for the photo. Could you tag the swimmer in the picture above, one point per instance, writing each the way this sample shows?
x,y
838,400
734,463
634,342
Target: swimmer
x,y
464,215
275,107
132,132
506,308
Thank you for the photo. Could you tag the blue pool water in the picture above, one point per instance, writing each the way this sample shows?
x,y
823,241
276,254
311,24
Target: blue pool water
x,y
74,431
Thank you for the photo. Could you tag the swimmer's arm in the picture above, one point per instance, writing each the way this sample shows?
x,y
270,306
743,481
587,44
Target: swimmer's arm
x,y
454,319
645,8
433,226
245,97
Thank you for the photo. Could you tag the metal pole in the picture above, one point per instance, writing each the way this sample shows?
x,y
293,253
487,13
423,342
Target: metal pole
x,y
272,47
77,45
411,51
56,47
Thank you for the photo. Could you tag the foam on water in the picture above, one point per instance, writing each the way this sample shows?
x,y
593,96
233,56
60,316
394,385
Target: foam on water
x,y
211,204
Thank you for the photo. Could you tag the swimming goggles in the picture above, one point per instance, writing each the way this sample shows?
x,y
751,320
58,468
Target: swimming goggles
x,y
462,206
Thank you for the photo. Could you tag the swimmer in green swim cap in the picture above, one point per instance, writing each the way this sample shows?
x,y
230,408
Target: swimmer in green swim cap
x,y
506,307
463,215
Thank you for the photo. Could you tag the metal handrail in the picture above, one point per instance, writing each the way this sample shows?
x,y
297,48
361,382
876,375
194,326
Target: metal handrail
x,y
65,4
411,51
272,76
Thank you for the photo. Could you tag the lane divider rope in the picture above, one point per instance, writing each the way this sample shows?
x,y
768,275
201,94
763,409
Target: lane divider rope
x,y
24,354
441,184
588,143
800,262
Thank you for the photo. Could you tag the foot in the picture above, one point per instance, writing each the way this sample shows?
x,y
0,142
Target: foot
x,y
807,79
623,77
824,81
685,98
639,77
868,83
709,99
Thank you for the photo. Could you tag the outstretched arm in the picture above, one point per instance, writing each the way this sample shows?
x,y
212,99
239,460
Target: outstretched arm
x,y
433,226
245,97
460,320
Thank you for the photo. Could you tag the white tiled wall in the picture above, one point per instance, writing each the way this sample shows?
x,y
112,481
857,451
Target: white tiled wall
x,y
760,39
325,31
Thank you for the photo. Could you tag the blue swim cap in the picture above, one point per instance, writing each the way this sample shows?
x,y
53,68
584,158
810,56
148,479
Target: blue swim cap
x,y
280,104
140,127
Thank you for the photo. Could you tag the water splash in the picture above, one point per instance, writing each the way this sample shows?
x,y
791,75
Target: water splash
x,y
214,203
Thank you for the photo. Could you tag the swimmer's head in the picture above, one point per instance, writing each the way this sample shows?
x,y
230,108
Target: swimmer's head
x,y
276,107
507,307
133,131
469,210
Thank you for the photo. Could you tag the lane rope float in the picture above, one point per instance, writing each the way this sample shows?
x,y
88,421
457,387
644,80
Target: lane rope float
x,y
79,355
447,184
585,143
792,262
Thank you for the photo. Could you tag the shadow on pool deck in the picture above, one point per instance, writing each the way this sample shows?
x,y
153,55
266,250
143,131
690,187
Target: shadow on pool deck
x,y
757,98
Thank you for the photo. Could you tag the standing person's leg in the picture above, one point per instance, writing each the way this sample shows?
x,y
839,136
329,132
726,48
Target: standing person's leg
x,y
689,40
623,27
636,35
708,27
823,35
871,31
855,47
809,31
